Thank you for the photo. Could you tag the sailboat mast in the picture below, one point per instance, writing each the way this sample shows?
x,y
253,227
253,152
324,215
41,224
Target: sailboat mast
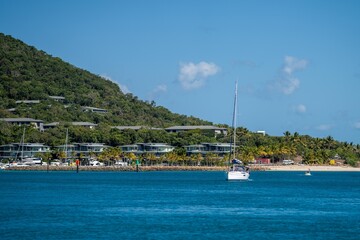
x,y
234,120
66,141
22,145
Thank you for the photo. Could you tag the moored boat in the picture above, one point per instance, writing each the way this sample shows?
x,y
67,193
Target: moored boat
x,y
236,170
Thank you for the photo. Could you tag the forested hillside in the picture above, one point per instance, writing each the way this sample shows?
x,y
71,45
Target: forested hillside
x,y
29,74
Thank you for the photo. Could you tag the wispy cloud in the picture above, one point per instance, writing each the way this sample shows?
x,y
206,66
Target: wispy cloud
x,y
292,64
324,127
157,90
300,108
123,88
287,83
194,75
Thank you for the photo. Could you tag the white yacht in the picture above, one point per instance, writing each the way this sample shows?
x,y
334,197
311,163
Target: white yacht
x,y
237,170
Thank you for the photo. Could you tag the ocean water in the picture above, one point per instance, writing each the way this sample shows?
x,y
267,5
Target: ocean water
x,y
179,205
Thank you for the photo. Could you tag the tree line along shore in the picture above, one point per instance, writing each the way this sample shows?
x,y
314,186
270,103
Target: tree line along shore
x,y
326,168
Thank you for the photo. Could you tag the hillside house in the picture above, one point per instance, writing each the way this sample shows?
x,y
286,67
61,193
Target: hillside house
x,y
27,101
85,150
22,150
157,149
219,149
215,130
94,110
84,124
38,124
57,98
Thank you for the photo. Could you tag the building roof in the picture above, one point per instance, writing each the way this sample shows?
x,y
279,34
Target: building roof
x,y
157,144
26,144
35,144
201,127
128,127
136,127
20,120
94,109
53,124
92,144
83,124
27,101
57,97
218,144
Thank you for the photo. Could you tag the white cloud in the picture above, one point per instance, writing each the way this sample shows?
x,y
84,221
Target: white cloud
x,y
123,88
157,90
300,108
292,64
324,127
161,88
289,85
193,75
286,82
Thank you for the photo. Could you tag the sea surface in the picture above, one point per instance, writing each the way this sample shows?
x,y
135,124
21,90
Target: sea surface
x,y
179,205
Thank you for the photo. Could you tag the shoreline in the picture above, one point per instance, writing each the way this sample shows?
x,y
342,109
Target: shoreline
x,y
274,168
314,168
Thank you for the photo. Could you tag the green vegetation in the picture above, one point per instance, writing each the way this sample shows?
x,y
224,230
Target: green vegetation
x,y
29,74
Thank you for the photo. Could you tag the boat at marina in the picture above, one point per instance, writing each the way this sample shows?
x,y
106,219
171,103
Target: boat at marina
x,y
237,170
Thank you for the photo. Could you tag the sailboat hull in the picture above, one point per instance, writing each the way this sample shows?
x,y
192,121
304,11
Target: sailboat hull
x,y
237,175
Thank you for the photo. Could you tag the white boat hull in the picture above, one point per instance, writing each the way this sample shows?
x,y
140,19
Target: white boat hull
x,y
237,175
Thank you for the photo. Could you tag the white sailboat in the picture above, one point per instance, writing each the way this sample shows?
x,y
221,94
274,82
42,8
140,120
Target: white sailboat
x,y
237,170
21,148
20,159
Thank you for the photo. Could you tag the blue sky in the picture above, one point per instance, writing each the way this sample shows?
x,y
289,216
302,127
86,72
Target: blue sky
x,y
297,63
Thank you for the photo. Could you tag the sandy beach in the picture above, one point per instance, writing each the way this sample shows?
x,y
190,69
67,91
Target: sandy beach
x,y
312,168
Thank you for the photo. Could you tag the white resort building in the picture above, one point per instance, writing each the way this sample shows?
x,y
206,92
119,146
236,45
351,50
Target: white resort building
x,y
219,149
21,151
157,149
38,124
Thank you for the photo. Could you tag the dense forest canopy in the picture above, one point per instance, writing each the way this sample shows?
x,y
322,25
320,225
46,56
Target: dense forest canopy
x,y
29,74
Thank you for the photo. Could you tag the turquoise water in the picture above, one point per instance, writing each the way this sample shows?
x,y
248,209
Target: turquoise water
x,y
179,205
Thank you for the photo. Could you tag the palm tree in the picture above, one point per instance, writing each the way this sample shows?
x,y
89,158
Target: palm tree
x,y
131,156
329,142
211,158
287,135
152,158
81,157
198,158
62,155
